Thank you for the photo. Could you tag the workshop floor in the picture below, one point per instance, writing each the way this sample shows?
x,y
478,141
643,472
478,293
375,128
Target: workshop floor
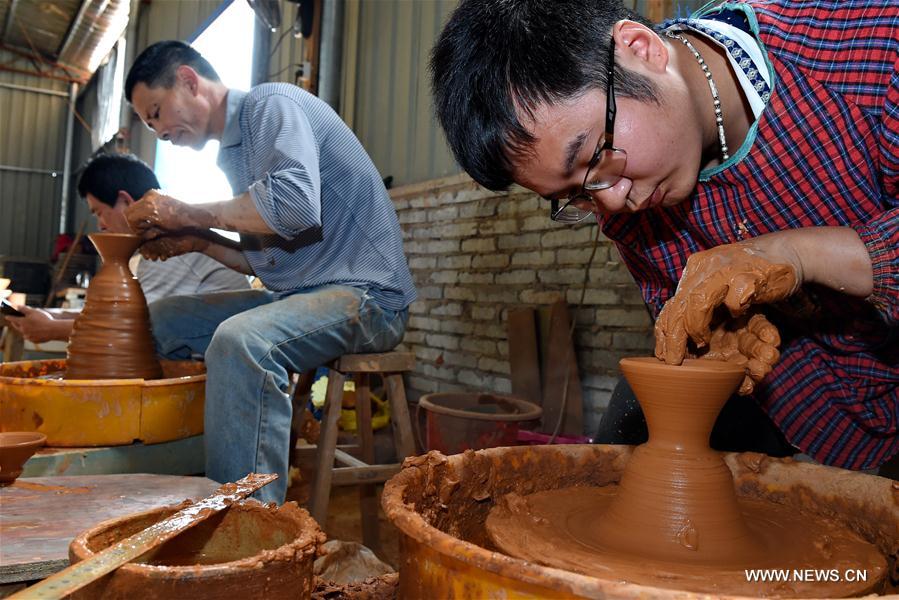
x,y
344,520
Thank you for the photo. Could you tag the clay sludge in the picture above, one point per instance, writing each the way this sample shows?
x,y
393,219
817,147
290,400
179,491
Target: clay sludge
x,y
753,461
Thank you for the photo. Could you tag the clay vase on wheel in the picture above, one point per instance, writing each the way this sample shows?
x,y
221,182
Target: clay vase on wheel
x,y
111,338
677,499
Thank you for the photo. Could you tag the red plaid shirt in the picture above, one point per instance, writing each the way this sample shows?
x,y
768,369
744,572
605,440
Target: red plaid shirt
x,y
825,153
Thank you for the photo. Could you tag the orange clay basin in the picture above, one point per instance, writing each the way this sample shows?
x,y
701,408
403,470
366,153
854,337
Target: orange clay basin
x,y
251,550
102,412
441,505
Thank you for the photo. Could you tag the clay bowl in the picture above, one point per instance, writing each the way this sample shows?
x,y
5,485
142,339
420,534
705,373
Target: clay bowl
x,y
16,447
250,550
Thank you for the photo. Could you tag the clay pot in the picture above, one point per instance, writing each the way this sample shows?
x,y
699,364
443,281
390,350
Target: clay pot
x,y
676,489
250,550
16,447
111,338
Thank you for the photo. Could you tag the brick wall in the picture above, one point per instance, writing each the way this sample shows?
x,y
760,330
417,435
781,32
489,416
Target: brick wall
x,y
475,254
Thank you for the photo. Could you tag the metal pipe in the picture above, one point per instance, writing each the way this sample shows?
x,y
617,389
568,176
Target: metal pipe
x,y
25,88
51,172
67,161
10,18
73,29
126,114
331,53
262,43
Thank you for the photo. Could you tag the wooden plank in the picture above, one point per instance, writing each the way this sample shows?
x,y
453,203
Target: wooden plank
x,y
558,360
180,457
368,498
524,360
327,443
41,515
13,345
400,420
387,362
658,10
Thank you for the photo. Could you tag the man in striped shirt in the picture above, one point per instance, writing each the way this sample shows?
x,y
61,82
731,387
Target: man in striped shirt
x,y
750,165
110,183
317,228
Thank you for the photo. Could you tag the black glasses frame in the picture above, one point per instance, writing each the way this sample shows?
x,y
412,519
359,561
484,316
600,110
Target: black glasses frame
x,y
556,213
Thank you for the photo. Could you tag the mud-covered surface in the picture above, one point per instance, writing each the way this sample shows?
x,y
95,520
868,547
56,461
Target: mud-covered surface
x,y
249,550
563,528
457,501
32,369
51,372
866,504
439,503
383,587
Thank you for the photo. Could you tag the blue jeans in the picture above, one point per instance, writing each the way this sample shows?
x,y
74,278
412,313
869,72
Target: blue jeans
x,y
252,342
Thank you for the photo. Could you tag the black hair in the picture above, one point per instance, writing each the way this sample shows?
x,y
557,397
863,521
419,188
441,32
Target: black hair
x,y
496,56
105,175
156,65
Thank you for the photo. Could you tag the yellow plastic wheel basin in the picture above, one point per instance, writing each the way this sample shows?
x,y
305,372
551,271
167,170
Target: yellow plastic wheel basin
x,y
102,412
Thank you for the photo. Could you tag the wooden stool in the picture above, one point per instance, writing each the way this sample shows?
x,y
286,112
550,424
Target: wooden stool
x,y
360,471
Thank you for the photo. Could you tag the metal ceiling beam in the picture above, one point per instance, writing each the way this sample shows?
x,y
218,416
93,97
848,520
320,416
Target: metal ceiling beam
x,y
73,28
26,88
7,27
42,75
80,74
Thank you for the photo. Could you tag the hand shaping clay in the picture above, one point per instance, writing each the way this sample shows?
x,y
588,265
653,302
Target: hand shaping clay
x,y
734,275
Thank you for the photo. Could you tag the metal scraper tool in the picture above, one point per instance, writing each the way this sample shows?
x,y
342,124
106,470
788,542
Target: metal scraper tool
x,y
80,574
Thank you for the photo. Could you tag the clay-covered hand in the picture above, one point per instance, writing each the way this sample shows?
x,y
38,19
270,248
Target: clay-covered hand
x,y
155,214
749,341
167,246
735,276
37,326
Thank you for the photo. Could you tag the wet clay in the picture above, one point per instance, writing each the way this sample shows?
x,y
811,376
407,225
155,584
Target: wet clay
x,y
674,520
383,587
157,215
111,338
250,550
750,341
733,275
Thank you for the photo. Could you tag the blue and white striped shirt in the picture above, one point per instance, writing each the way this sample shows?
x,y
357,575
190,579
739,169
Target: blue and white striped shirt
x,y
317,189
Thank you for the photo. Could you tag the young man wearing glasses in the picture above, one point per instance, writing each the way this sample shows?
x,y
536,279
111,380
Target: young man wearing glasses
x,y
744,161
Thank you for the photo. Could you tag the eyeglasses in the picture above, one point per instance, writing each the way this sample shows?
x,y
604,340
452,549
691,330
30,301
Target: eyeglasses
x,y
605,167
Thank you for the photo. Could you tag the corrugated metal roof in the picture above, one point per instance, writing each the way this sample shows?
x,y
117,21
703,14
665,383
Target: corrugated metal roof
x,y
62,39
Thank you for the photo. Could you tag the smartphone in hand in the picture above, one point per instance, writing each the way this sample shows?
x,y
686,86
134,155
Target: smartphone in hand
x,y
7,308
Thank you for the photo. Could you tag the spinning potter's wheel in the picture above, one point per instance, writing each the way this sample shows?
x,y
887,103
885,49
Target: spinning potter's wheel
x,y
111,390
674,520
102,412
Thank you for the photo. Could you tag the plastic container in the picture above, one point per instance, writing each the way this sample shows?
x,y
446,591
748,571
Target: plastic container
x,y
456,422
